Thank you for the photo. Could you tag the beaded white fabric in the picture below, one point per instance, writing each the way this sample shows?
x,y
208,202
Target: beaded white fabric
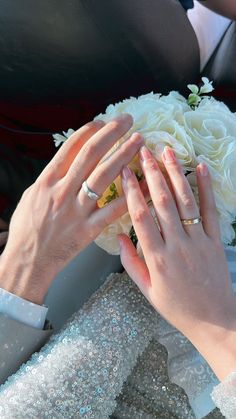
x,y
107,361
224,396
82,369
80,372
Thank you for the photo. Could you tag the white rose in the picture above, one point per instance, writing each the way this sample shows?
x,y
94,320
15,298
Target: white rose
x,y
209,132
160,120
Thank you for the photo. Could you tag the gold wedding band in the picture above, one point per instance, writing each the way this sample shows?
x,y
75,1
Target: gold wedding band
x,y
191,221
89,192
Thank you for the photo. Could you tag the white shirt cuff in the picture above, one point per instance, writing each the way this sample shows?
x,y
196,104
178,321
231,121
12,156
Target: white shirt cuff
x,y
22,310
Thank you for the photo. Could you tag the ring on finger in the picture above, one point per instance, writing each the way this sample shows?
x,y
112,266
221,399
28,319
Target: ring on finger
x,y
89,192
191,221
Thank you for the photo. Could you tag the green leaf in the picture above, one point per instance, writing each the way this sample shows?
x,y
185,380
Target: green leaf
x,y
193,100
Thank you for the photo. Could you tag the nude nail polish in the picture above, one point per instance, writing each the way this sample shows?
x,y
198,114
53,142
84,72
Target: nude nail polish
x,y
144,153
169,154
203,169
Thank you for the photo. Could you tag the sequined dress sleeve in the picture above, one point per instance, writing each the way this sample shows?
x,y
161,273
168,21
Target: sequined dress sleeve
x,y
224,396
81,370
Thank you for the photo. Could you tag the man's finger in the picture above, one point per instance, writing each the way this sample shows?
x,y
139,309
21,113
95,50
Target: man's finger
x,y
63,159
95,149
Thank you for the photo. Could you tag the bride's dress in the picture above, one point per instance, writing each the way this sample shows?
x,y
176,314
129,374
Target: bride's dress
x,y
108,361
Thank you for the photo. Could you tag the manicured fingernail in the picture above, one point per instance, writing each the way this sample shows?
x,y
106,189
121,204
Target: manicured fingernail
x,y
144,153
169,154
203,169
123,116
126,173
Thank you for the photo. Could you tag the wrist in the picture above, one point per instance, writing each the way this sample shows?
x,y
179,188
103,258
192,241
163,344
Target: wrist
x,y
22,278
217,344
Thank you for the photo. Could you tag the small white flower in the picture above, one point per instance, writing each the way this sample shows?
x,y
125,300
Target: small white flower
x,y
59,138
207,86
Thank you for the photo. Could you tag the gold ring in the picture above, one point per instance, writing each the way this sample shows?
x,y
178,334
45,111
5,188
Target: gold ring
x,y
191,221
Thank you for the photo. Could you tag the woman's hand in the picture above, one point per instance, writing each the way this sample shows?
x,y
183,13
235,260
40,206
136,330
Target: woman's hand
x,y
184,275
55,218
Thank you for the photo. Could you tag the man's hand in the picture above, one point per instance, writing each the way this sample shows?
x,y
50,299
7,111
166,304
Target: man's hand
x,y
55,219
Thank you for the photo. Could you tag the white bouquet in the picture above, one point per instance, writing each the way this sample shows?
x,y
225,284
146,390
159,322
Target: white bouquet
x,y
199,129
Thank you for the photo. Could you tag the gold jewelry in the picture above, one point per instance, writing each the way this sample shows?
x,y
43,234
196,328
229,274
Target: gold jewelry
x,y
89,192
191,221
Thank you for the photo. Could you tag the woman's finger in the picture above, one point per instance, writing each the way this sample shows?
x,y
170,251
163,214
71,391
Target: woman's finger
x,y
143,222
95,149
134,266
106,172
59,165
163,202
207,202
184,198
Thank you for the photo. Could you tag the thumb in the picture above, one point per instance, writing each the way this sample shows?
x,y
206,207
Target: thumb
x,y
134,266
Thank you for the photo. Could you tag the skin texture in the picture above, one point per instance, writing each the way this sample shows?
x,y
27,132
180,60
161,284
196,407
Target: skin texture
x,y
222,7
55,219
184,273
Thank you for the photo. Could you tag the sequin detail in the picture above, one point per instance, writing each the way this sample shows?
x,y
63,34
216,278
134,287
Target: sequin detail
x,y
79,373
224,396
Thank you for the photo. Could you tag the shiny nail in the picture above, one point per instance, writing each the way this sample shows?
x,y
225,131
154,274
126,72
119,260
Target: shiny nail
x,y
144,153
126,173
169,154
203,169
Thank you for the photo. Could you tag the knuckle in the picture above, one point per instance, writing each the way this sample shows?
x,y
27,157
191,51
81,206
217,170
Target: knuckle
x,y
163,199
161,263
89,148
140,215
188,202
